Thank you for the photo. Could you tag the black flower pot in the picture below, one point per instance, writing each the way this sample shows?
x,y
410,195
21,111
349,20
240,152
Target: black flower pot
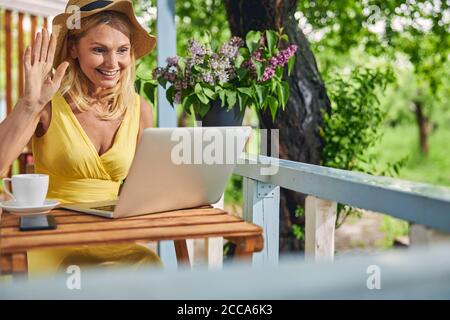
x,y
221,117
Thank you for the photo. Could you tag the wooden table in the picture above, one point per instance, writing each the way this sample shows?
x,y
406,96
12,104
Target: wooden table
x,y
81,229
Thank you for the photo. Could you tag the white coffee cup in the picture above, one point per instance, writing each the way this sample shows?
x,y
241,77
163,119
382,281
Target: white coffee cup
x,y
27,189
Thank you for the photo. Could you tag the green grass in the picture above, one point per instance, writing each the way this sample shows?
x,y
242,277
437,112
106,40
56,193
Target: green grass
x,y
402,141
393,228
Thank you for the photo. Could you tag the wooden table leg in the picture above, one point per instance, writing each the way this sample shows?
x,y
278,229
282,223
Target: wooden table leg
x,y
246,246
182,252
14,263
5,264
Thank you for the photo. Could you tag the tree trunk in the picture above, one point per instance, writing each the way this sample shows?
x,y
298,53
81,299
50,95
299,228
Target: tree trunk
x,y
423,125
299,124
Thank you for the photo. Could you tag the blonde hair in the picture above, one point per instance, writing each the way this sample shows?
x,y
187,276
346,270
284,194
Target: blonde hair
x,y
76,84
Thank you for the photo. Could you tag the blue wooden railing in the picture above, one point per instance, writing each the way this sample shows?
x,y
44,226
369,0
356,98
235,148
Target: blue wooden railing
x,y
417,203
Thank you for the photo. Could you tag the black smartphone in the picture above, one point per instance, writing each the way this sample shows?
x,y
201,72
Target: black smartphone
x,y
33,223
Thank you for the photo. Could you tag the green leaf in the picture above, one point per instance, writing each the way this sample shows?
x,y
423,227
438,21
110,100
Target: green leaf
x,y
247,91
252,40
273,105
209,93
162,81
222,97
271,37
202,97
238,61
203,109
150,90
137,85
242,100
182,65
261,92
231,98
279,72
291,64
187,102
244,52
259,69
283,93
198,88
242,73
169,94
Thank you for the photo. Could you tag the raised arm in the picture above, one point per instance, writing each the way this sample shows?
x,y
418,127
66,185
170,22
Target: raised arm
x,y
40,86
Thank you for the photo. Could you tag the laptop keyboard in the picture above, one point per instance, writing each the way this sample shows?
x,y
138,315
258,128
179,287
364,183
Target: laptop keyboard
x,y
105,208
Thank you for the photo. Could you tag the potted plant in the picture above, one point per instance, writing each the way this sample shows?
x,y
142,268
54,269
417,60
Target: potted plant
x,y
219,84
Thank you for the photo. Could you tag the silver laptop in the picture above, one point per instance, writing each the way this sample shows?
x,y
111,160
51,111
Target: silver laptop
x,y
174,168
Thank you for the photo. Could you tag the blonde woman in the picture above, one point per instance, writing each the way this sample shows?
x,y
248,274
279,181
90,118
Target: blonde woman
x,y
84,120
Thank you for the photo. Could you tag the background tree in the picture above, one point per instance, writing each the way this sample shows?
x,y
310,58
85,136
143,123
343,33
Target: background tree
x,y
418,29
300,122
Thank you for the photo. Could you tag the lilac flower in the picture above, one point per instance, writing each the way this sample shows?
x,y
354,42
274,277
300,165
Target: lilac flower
x,y
268,73
177,97
170,76
222,76
157,72
231,48
257,55
279,60
196,48
172,61
208,78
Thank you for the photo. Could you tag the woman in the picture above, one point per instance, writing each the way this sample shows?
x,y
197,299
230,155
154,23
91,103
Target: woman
x,y
85,120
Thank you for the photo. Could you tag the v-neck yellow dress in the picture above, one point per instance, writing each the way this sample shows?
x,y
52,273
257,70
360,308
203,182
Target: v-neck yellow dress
x,y
77,173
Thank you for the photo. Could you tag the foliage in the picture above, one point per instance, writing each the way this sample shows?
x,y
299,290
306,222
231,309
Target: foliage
x,y
192,18
415,29
355,123
238,73
355,120
393,228
297,229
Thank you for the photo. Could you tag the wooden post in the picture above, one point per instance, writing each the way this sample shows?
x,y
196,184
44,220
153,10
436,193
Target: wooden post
x,y
8,60
33,20
20,39
182,253
167,46
166,115
214,246
262,207
320,223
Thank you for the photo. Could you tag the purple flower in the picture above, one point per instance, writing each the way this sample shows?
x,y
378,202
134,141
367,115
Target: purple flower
x,y
268,73
157,72
177,97
222,76
172,61
257,55
196,48
208,78
231,48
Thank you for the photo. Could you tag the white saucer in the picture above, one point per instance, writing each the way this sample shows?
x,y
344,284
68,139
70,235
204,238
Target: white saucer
x,y
12,207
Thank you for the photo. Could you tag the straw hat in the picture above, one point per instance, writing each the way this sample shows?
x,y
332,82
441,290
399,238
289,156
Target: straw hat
x,y
143,42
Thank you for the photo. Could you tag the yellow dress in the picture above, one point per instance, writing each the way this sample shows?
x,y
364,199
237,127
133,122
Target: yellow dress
x,y
78,174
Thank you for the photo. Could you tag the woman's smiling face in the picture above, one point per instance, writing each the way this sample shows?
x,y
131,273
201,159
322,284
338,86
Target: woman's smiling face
x,y
103,55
